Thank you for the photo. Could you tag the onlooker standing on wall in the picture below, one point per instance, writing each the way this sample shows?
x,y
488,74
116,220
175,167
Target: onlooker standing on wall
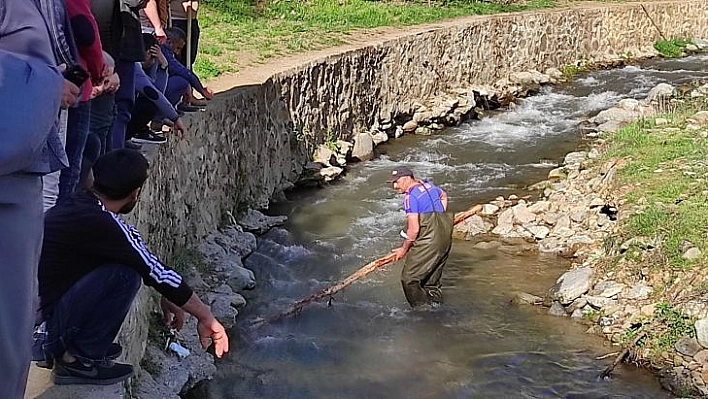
x,y
29,146
86,37
121,36
154,19
180,14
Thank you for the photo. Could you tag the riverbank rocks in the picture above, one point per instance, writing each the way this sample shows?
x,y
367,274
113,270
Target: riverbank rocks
x,y
254,221
571,285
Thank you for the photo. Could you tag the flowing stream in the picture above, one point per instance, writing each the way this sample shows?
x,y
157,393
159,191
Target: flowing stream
x,y
367,343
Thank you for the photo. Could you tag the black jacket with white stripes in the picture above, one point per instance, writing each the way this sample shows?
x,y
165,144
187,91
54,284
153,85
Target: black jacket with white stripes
x,y
80,234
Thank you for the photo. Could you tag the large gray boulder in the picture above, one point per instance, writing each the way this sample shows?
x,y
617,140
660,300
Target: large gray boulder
x,y
363,147
258,223
571,285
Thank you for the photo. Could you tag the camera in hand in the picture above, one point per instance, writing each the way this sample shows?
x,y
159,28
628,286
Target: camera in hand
x,y
76,75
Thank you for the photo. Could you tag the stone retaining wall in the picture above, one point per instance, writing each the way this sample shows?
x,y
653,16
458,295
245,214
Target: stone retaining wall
x,y
253,141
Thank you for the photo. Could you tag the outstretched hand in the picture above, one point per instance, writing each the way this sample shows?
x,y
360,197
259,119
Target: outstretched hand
x,y
210,330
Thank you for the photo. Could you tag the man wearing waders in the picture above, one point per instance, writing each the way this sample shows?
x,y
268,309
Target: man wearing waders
x,y
428,237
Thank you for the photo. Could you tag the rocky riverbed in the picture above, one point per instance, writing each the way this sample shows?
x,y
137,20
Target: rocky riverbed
x,y
571,214
577,213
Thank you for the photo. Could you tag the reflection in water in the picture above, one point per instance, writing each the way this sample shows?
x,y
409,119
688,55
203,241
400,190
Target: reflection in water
x,y
368,343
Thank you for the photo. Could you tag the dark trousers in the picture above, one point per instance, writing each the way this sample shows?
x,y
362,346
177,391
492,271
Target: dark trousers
x,y
125,100
20,244
182,24
143,112
87,318
98,140
77,131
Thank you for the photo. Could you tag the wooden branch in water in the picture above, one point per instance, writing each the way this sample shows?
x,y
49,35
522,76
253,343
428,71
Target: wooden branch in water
x,y
608,370
362,272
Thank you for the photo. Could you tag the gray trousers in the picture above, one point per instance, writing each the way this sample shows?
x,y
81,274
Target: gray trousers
x,y
21,229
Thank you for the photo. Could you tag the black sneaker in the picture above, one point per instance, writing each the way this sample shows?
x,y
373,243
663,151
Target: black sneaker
x,y
132,146
188,108
105,373
114,351
149,137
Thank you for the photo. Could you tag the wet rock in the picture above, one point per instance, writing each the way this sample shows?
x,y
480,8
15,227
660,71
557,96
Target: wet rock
x,y
410,126
571,285
330,173
423,131
557,310
525,298
692,254
687,346
607,289
702,332
363,149
258,223
379,137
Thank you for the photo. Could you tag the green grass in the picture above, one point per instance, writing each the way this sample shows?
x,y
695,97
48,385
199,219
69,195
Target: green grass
x,y
233,28
672,48
667,172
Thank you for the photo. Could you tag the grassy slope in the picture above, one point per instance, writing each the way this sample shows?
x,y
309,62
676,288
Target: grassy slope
x,y
665,181
234,35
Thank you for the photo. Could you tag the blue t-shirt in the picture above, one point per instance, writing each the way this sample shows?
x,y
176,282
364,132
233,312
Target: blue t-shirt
x,y
424,198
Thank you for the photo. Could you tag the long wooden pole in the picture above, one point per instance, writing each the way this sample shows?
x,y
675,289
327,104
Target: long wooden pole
x,y
362,272
190,12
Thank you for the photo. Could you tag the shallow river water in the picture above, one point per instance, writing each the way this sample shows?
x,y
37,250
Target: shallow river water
x,y
367,343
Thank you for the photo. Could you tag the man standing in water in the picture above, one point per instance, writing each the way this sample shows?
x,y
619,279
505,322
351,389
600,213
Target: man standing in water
x,y
428,237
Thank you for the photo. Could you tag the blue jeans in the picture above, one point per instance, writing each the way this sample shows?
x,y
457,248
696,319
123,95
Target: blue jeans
x,y
77,130
87,318
98,141
125,99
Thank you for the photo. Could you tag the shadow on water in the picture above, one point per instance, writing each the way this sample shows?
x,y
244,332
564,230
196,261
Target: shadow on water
x,y
367,342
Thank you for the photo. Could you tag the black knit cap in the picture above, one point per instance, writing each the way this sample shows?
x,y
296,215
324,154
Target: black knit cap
x,y
117,173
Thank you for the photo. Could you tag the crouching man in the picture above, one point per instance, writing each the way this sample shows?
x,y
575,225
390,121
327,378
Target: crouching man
x,y
90,271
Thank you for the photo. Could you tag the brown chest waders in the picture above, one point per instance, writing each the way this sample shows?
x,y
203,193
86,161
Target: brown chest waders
x,y
425,260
